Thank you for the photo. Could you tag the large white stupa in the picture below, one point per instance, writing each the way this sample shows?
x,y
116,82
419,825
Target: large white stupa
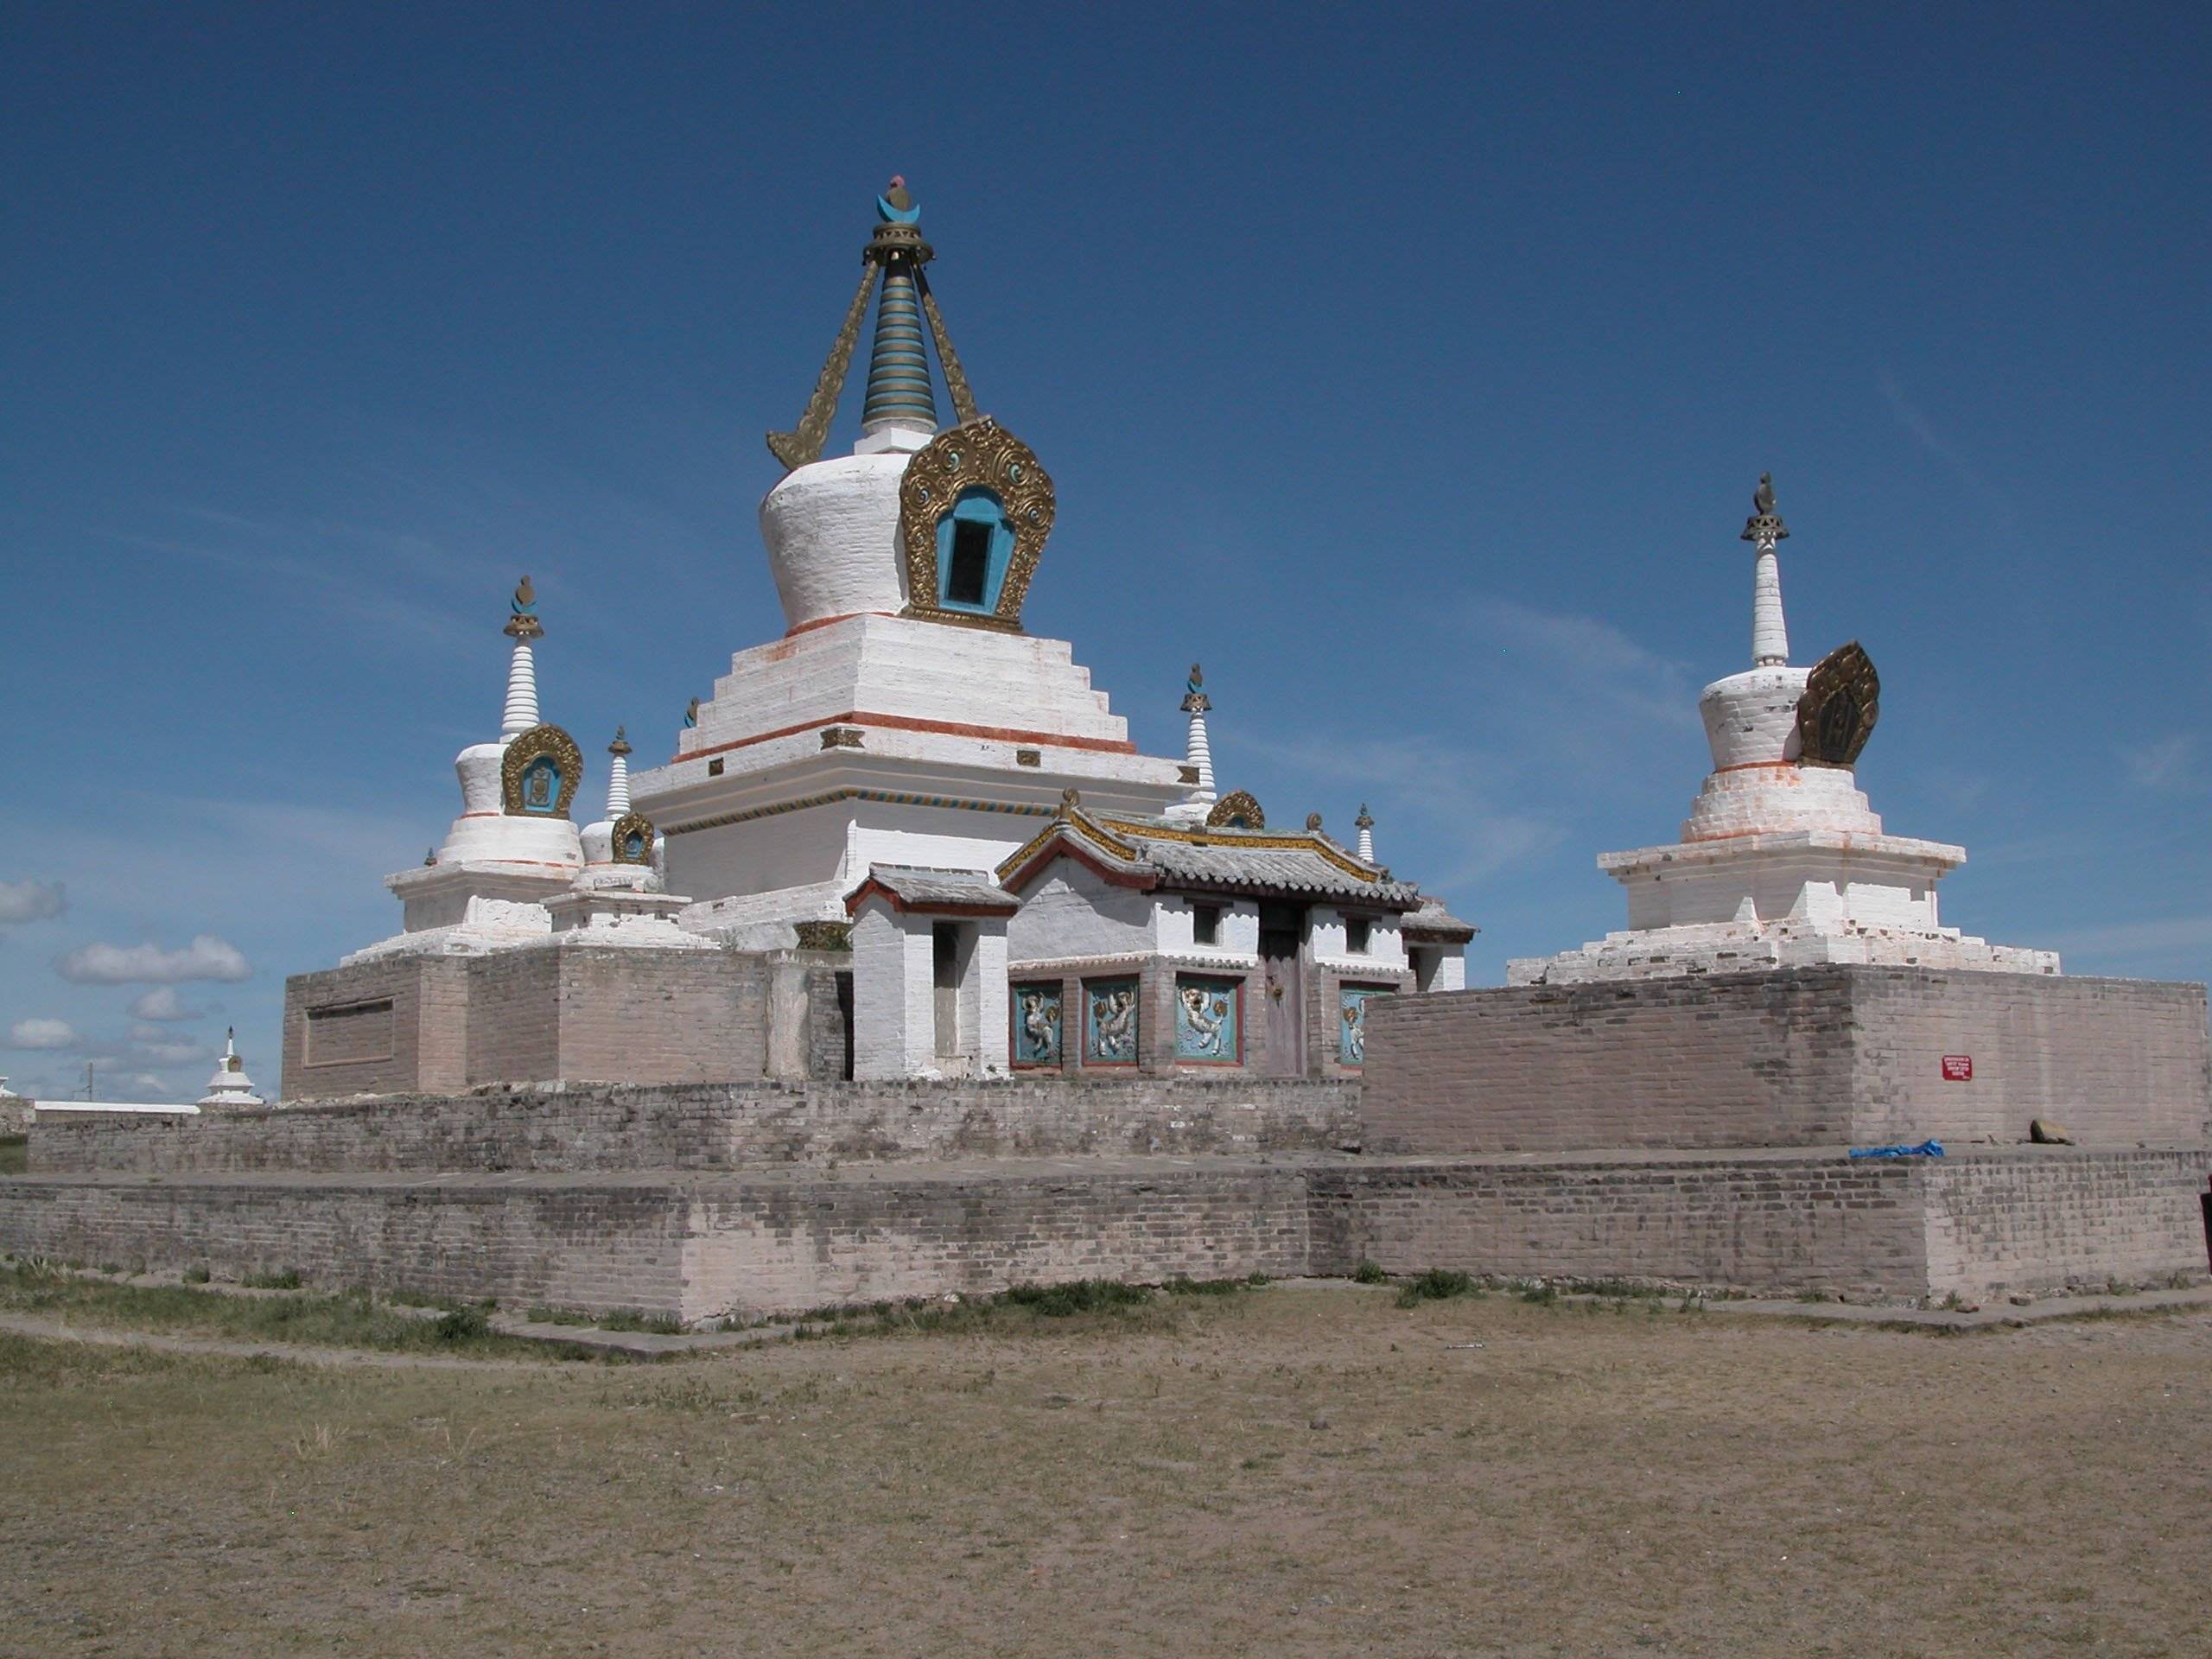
x,y
1782,862
904,718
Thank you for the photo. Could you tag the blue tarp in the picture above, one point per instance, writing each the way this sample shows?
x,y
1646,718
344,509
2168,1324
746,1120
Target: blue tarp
x,y
1925,1149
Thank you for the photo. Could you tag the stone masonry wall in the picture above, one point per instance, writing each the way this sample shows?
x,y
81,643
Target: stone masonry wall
x,y
762,1247
597,1129
1754,1222
2038,1218
1744,1061
706,1244
598,1245
1805,1056
418,1042
2115,1061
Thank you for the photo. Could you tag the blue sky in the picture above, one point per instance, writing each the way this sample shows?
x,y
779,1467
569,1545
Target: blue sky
x,y
1411,368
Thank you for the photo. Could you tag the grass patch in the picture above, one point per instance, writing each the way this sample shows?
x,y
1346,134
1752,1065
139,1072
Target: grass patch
x,y
15,1154
351,1320
1368,1273
1183,1286
284,1279
1437,1285
1077,1296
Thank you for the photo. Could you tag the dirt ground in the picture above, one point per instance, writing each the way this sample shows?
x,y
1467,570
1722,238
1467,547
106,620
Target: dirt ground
x,y
1291,1471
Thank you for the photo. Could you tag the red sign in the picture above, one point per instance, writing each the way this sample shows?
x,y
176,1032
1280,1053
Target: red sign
x,y
1958,1068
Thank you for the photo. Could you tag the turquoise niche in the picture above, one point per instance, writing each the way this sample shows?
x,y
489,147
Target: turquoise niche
x,y
541,785
1109,1022
975,545
1351,1021
1207,1027
633,848
1037,1025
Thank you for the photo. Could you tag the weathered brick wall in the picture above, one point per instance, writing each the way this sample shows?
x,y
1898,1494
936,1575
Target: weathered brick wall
x,y
2036,1217
419,1042
1745,1061
760,1249
2115,1061
710,1244
594,1129
592,1245
514,1017
692,1016
1805,1056
1751,1222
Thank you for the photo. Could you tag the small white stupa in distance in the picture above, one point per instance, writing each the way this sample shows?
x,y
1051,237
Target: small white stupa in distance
x,y
513,846
229,1086
1782,862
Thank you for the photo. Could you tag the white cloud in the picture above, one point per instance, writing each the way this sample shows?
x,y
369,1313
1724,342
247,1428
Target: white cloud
x,y
2168,767
162,1003
205,958
41,1033
31,902
168,1051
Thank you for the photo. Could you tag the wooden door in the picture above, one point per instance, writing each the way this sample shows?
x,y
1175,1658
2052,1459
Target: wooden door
x,y
1282,937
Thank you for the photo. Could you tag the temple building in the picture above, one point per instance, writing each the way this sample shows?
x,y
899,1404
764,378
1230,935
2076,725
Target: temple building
x,y
1782,862
903,836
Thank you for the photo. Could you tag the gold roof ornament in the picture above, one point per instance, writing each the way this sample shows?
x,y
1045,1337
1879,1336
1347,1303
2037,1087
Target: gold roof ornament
x,y
1842,701
1238,810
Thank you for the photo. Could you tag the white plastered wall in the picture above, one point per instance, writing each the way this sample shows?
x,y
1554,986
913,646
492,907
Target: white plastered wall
x,y
1386,941
894,1004
1074,913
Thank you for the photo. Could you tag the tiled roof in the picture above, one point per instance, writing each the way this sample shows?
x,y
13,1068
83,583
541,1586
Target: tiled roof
x,y
913,887
1154,852
1433,921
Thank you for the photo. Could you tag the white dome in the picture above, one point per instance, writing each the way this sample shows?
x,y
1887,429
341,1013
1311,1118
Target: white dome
x,y
1750,719
832,532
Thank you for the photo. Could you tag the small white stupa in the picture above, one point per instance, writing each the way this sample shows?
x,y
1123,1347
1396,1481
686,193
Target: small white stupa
x,y
618,897
229,1086
513,845
1782,862
1198,760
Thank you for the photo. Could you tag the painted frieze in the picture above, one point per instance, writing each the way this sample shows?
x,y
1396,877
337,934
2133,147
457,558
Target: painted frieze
x,y
1036,1024
1209,1023
1351,1021
1109,1022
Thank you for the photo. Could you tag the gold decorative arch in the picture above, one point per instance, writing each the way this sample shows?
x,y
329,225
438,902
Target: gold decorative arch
x,y
976,453
629,827
567,759
1236,811
1842,701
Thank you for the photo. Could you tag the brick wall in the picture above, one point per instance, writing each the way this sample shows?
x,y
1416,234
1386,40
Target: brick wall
x,y
539,1014
1744,1061
424,1029
587,1128
2035,1218
705,1244
1745,1221
2116,1061
1805,1057
592,1245
760,1249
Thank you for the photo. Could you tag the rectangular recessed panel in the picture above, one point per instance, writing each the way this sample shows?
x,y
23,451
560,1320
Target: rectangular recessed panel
x,y
349,1033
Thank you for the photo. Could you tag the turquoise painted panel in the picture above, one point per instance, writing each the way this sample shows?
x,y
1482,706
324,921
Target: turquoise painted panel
x,y
1037,1025
1351,1021
1209,1021
979,507
1109,1022
541,785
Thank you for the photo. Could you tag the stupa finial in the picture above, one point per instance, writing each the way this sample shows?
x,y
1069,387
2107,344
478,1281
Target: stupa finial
x,y
1365,824
1763,529
1197,753
522,613
523,626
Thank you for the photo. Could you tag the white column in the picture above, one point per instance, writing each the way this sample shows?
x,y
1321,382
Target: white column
x,y
522,693
1366,848
618,787
1770,634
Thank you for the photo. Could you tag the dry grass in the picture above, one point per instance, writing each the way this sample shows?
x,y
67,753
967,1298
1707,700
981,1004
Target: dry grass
x,y
1493,1477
